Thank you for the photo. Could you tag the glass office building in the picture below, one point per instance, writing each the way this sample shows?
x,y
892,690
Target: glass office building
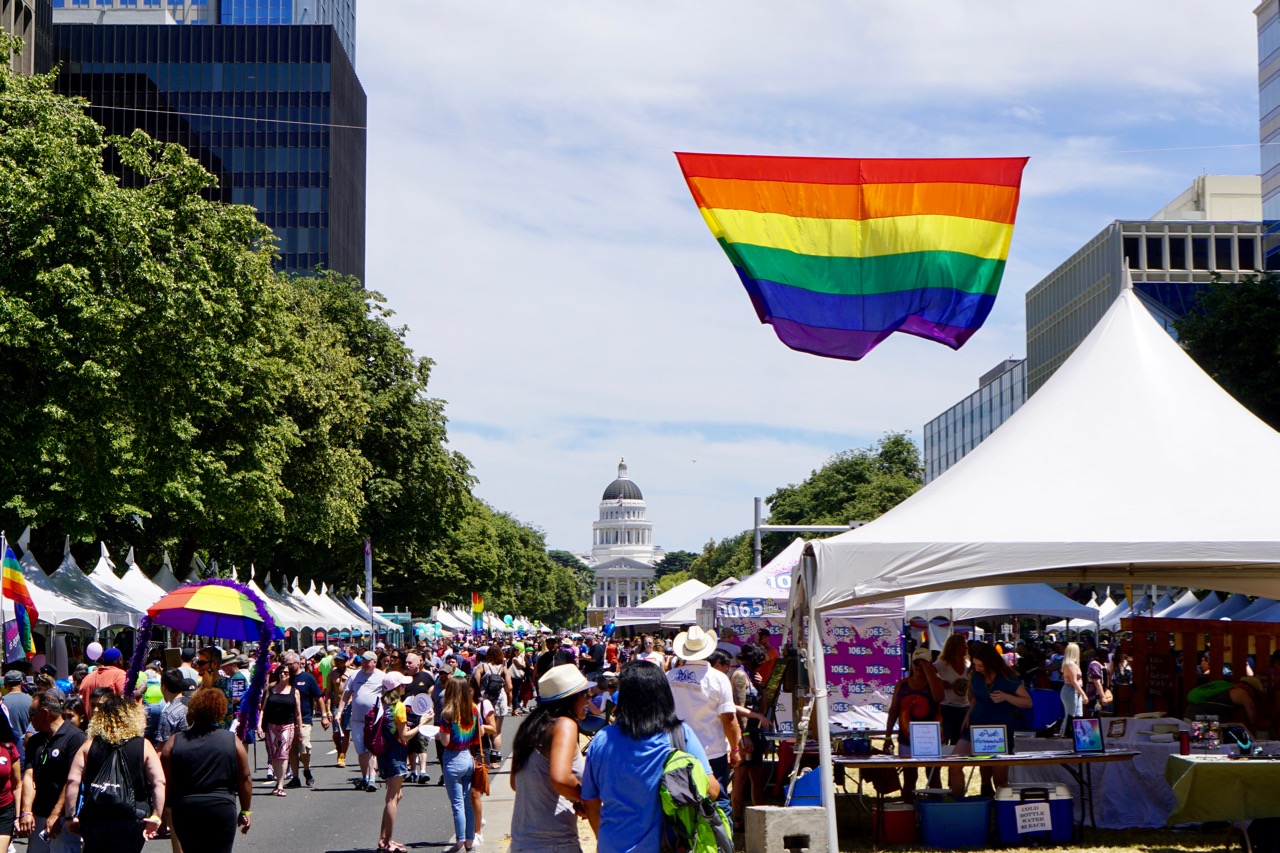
x,y
952,434
1268,14
276,113
31,21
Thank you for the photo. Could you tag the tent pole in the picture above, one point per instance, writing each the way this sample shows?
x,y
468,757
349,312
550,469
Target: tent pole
x,y
822,725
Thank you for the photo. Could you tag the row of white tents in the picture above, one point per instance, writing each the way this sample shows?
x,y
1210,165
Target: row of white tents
x,y
100,599
1234,606
456,619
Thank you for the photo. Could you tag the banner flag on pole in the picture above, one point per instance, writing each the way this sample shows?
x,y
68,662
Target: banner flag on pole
x,y
13,586
477,613
837,254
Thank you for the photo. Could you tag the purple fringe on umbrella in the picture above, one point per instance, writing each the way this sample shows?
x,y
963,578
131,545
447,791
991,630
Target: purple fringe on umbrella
x,y
248,710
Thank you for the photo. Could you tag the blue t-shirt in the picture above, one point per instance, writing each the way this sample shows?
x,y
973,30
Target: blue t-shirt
x,y
624,773
308,692
986,712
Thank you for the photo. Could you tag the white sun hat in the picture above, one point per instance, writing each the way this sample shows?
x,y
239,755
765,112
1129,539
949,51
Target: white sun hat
x,y
561,681
695,644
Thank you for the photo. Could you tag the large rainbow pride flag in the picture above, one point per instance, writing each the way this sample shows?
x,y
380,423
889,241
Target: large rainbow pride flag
x,y
13,586
838,254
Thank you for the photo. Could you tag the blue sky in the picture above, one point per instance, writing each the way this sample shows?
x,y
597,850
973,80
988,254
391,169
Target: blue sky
x,y
528,222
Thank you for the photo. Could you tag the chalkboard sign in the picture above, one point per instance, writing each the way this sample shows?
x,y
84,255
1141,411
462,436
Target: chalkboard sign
x,y
1160,676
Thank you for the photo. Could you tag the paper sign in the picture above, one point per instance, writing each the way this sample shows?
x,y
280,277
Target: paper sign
x,y
1033,817
989,740
420,704
428,731
926,740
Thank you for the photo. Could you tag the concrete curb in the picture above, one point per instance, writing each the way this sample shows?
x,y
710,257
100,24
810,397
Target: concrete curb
x,y
499,807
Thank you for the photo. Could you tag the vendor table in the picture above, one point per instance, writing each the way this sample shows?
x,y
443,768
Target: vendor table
x,y
1079,766
1214,787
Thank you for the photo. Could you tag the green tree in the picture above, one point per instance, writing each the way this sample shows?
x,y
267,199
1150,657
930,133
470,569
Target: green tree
x,y
730,557
1233,333
670,581
674,561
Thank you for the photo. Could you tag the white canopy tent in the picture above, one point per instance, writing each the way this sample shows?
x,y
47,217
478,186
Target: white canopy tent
x,y
1229,608
72,583
52,605
1202,610
1184,602
985,602
164,577
142,588
1141,607
652,611
1130,465
1257,608
103,576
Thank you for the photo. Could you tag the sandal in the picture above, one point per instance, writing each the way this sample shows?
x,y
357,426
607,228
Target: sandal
x,y
279,792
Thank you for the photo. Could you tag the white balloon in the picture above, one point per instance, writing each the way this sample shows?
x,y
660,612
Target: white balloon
x,y
93,651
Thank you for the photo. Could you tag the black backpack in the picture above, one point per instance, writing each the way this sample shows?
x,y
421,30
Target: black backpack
x,y
110,795
491,684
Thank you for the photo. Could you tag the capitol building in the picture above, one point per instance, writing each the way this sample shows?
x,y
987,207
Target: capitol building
x,y
622,550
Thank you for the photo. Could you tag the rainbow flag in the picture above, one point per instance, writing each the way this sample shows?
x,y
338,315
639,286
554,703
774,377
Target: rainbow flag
x,y
13,586
838,254
477,613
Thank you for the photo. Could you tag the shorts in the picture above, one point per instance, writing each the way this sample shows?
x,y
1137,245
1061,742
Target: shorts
x,y
345,721
759,745
417,744
302,742
391,766
502,708
9,815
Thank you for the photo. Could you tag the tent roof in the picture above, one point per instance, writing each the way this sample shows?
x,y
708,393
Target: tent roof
x,y
142,588
652,611
774,578
687,613
164,576
1184,602
1262,605
1228,609
1014,599
1129,465
72,584
51,605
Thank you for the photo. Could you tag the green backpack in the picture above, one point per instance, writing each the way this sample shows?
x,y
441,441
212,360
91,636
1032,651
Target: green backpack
x,y
691,820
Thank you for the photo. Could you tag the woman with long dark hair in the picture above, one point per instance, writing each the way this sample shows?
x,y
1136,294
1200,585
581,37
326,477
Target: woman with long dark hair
x,y
546,767
625,761
460,726
994,691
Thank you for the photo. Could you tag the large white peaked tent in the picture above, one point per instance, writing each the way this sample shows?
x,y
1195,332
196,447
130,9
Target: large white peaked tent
x,y
1129,465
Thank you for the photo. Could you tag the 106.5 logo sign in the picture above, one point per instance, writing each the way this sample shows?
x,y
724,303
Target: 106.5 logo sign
x,y
747,608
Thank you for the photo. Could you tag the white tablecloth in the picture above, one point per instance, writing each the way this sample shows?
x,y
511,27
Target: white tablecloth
x,y
1126,794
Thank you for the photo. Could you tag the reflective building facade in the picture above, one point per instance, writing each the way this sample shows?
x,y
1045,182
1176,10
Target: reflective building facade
x,y
952,434
1268,14
276,113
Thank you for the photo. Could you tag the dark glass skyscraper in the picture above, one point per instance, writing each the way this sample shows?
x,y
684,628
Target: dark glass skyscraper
x,y
275,112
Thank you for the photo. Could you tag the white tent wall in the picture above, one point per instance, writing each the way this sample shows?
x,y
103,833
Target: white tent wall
x,y
649,614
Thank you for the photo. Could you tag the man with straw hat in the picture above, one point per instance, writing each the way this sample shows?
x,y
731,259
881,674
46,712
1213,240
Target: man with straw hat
x,y
704,700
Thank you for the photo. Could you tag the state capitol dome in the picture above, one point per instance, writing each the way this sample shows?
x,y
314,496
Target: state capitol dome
x,y
622,489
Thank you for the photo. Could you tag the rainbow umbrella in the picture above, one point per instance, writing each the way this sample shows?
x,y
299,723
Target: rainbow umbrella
x,y
208,610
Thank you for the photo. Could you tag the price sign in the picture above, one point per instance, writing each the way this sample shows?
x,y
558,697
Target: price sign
x,y
1033,817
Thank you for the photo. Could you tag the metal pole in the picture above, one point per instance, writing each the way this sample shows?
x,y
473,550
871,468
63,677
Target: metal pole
x,y
822,725
756,547
368,590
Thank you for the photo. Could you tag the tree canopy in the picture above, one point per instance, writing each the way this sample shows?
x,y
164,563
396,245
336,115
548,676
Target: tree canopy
x,y
854,485
169,390
1233,333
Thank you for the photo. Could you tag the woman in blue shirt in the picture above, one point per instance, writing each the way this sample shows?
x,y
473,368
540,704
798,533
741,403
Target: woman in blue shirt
x,y
995,691
625,761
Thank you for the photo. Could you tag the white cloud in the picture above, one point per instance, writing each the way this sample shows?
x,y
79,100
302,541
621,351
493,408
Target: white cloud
x,y
527,219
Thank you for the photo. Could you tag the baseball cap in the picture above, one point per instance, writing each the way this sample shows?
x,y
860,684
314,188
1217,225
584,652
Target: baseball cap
x,y
341,656
109,656
49,669
395,680
922,654
12,677
369,656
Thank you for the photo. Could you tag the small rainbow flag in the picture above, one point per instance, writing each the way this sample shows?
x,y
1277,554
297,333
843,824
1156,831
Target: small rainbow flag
x,y
13,586
477,613
838,254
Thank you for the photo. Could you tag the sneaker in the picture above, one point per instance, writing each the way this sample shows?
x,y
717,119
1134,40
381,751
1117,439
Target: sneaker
x,y
440,782
293,783
371,787
410,778
271,775
479,840
342,760
424,779
311,780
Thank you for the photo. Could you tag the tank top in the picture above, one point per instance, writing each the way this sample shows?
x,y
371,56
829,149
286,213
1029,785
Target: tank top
x,y
280,710
915,704
203,761
545,818
97,756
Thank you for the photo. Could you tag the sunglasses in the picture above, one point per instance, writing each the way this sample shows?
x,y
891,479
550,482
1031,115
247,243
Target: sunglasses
x,y
203,662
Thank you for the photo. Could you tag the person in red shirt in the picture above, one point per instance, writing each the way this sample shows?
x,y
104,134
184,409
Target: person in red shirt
x,y
108,674
611,656
10,791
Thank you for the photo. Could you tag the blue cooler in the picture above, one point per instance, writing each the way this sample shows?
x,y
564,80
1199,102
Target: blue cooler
x,y
954,824
1046,709
1061,812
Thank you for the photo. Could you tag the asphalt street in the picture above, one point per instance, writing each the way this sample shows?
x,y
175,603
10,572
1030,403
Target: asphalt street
x,y
332,817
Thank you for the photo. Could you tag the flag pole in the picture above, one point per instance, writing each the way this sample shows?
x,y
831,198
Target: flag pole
x,y
4,642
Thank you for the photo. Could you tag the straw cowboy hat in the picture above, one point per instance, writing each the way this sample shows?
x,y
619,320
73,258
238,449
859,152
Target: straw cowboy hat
x,y
561,681
695,644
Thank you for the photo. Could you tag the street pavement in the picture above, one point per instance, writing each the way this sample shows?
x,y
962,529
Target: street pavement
x,y
332,817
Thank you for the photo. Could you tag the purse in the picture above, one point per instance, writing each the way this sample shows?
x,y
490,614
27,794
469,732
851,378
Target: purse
x,y
480,779
491,755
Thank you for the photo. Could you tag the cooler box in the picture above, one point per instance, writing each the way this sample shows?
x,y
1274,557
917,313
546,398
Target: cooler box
x,y
1061,812
808,790
1045,710
897,827
954,824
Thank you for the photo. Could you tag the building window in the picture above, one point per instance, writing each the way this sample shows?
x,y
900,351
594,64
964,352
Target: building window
x,y
1155,253
1200,253
1222,252
1177,252
1131,253
1247,247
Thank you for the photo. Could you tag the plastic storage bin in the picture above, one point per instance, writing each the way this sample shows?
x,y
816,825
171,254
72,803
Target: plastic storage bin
x,y
898,825
954,824
1061,812
1046,709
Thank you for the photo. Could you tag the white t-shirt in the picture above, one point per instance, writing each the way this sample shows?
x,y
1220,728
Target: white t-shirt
x,y
657,658
702,694
948,675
